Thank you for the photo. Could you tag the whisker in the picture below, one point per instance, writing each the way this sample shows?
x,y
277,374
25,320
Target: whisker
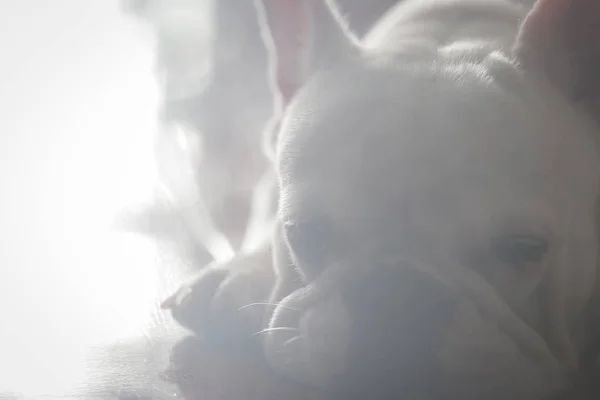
x,y
292,340
267,304
276,329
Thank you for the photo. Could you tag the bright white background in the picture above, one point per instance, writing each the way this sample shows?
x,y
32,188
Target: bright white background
x,y
77,101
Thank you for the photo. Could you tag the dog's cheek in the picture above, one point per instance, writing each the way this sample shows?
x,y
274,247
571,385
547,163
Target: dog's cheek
x,y
478,360
315,354
288,279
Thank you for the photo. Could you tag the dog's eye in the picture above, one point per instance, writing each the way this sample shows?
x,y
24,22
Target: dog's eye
x,y
520,249
308,241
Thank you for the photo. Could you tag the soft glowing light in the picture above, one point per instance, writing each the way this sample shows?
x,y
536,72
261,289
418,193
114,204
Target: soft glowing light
x,y
81,152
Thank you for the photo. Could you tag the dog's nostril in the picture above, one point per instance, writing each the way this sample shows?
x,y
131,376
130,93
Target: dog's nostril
x,y
398,320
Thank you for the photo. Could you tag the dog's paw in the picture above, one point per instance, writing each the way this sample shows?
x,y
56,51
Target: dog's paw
x,y
225,302
202,372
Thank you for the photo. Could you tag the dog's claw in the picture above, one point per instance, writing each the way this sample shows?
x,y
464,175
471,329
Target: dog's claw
x,y
169,303
175,299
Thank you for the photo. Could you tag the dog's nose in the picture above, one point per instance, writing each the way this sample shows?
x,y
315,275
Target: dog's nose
x,y
398,320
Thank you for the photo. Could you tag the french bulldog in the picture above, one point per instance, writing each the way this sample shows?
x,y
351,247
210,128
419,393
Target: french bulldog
x,y
437,195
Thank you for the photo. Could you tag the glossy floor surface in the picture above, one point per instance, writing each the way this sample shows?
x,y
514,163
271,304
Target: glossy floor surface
x,y
77,300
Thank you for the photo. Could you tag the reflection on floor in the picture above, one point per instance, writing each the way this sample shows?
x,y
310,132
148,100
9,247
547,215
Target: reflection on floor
x,y
86,320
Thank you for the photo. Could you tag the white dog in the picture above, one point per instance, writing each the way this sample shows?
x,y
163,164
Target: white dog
x,y
438,187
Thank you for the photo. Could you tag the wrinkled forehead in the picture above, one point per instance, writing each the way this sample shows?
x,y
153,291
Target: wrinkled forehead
x,y
421,130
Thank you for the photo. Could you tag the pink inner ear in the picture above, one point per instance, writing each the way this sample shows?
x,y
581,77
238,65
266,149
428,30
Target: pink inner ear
x,y
545,16
288,24
563,38
577,21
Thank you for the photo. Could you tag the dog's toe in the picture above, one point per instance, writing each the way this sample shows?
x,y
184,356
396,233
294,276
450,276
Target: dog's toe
x,y
190,305
224,304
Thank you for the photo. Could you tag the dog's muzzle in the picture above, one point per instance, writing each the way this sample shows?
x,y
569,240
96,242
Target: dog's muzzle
x,y
399,332
380,330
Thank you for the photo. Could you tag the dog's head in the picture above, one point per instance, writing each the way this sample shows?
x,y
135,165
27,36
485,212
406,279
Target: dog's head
x,y
439,205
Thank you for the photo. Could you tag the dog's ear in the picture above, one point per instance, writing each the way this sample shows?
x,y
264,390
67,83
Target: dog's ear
x,y
301,36
560,39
